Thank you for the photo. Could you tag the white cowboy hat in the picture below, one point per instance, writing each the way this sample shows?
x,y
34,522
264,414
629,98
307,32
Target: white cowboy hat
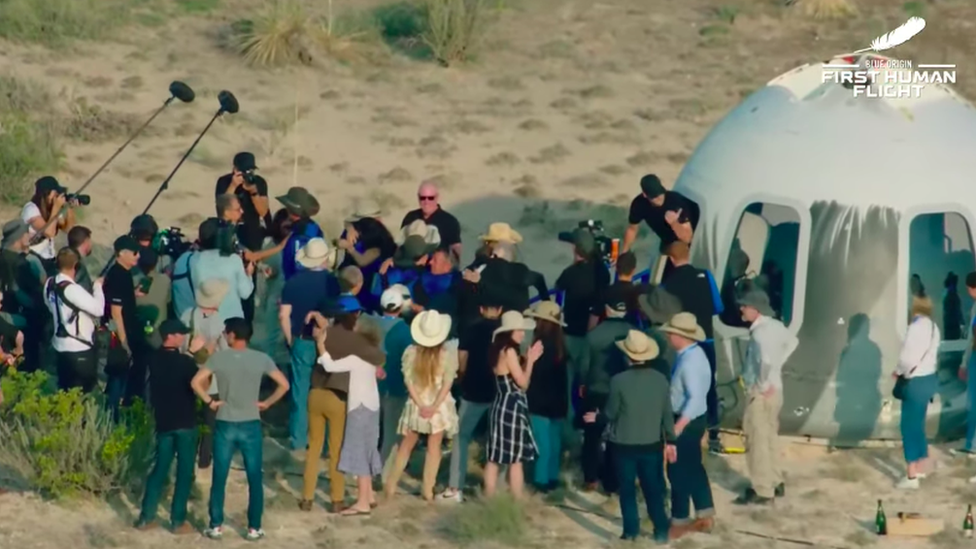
x,y
365,207
315,253
639,346
501,232
211,293
548,311
431,234
512,321
685,325
430,328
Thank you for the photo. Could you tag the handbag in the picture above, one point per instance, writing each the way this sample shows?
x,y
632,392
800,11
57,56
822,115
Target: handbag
x,y
901,383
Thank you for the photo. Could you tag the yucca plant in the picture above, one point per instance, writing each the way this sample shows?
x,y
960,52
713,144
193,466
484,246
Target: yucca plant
x,y
277,36
827,9
454,28
339,36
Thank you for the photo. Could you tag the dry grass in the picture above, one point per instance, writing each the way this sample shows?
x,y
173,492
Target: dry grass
x,y
455,28
278,35
500,519
827,9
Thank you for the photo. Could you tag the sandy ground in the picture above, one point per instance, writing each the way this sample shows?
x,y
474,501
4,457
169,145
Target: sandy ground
x,y
569,104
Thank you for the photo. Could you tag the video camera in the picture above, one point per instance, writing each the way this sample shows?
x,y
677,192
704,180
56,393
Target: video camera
x,y
227,241
604,244
171,242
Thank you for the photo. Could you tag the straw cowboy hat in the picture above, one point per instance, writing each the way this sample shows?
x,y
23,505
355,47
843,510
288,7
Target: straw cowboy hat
x,y
412,249
365,208
316,253
639,347
501,232
658,305
547,311
513,321
758,300
430,328
430,233
299,201
684,325
211,293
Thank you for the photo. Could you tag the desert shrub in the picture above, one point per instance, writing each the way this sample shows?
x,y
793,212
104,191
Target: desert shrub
x,y
500,519
93,124
54,22
28,141
827,9
277,35
401,20
66,443
455,28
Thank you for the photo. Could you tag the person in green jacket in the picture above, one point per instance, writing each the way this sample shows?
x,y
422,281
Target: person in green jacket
x,y
641,423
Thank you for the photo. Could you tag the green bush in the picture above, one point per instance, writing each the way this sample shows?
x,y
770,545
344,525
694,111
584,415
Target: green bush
x,y
500,519
66,443
29,143
401,20
455,28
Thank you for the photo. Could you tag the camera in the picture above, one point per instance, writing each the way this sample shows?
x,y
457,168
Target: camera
x,y
227,241
249,177
604,244
81,199
171,242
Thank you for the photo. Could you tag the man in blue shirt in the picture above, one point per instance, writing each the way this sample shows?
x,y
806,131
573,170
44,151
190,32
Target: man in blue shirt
x,y
301,206
691,377
305,292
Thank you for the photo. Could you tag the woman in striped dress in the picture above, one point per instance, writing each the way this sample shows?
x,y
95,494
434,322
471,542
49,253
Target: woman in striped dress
x,y
510,439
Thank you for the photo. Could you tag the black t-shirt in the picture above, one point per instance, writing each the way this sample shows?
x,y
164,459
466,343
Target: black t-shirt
x,y
691,286
173,401
447,224
641,209
478,382
625,288
119,289
250,232
8,335
583,284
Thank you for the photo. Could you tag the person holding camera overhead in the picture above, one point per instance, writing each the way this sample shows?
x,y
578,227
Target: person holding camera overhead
x,y
251,191
49,202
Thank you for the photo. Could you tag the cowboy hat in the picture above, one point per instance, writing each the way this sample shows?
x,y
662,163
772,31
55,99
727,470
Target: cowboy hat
x,y
431,234
299,201
211,293
513,321
413,248
548,311
430,328
501,232
365,208
13,231
658,305
684,325
638,346
315,253
758,300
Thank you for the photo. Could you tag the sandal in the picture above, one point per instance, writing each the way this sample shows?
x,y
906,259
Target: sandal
x,y
353,512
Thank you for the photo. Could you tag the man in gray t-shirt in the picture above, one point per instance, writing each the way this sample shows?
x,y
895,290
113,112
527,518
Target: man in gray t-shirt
x,y
238,371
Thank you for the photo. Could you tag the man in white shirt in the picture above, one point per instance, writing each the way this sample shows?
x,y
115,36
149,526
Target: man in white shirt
x,y
770,345
75,313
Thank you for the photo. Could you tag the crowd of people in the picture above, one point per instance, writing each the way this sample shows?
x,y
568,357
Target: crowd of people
x,y
391,346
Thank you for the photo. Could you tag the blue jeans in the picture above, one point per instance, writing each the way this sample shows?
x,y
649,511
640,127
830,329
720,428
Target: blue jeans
x,y
181,444
548,437
114,392
303,357
229,437
648,468
469,416
971,414
689,480
918,393
711,399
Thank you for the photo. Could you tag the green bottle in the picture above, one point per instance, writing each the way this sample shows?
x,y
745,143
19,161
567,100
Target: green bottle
x,y
967,524
880,522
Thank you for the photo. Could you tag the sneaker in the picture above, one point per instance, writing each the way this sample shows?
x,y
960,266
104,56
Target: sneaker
x,y
963,452
217,532
451,496
908,484
715,447
254,534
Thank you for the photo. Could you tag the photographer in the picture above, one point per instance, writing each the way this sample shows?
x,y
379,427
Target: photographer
x,y
48,203
75,312
251,191
583,283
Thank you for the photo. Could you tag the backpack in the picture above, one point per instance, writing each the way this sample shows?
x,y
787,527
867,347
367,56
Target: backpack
x,y
58,290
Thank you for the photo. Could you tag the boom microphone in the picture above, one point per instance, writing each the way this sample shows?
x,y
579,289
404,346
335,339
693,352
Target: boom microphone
x,y
228,105
177,90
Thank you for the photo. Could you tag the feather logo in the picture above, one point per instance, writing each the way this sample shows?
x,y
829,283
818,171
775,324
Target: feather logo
x,y
896,37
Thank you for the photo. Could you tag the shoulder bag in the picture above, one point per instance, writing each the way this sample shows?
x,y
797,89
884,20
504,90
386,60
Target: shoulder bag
x,y
901,383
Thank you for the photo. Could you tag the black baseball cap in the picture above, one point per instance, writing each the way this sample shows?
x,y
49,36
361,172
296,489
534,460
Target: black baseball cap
x,y
144,224
244,161
126,242
47,184
172,326
651,186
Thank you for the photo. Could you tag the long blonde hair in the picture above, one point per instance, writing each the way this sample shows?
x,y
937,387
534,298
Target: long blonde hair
x,y
427,365
921,306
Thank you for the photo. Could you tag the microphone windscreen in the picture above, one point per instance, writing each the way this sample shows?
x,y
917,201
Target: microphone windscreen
x,y
228,103
181,91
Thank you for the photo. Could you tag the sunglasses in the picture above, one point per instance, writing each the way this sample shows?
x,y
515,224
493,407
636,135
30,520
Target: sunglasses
x,y
427,198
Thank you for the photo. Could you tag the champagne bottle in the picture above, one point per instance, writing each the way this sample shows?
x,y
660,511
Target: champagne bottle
x,y
880,522
967,524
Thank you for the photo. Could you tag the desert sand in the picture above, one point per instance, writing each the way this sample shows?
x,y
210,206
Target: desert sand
x,y
562,111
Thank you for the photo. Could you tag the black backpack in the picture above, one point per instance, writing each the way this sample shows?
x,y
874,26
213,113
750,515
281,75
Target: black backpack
x,y
60,331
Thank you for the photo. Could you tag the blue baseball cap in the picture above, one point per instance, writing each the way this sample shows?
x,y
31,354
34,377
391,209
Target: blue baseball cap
x,y
347,303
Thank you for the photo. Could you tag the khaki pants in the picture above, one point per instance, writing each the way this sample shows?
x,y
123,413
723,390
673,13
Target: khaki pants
x,y
325,407
761,426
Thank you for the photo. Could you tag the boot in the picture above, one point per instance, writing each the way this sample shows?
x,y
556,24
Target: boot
x,y
393,481
430,477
